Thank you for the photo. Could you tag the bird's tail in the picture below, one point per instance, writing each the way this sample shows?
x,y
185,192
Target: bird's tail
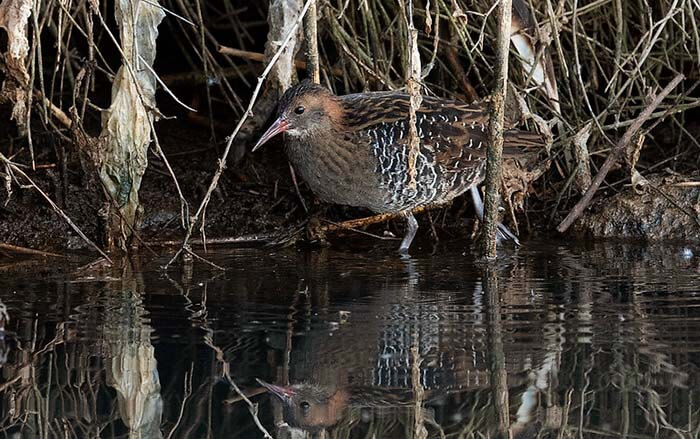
x,y
517,143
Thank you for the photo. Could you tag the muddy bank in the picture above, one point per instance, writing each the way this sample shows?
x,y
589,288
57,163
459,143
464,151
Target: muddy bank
x,y
668,208
257,196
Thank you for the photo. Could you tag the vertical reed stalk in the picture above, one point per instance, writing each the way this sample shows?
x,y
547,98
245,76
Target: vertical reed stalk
x,y
495,149
311,44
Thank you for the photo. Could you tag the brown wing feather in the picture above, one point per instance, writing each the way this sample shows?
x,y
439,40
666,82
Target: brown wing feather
x,y
465,129
456,132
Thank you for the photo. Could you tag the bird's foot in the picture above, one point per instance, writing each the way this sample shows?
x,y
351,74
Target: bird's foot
x,y
504,234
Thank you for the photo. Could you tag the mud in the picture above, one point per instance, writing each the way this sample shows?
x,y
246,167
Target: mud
x,y
667,209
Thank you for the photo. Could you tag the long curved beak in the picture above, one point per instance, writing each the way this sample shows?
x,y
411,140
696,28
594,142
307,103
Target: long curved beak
x,y
279,126
283,393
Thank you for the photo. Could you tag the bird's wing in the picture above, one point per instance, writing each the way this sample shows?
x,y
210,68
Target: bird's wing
x,y
466,127
455,132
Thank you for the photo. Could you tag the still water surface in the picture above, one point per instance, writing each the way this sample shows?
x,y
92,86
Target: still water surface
x,y
555,340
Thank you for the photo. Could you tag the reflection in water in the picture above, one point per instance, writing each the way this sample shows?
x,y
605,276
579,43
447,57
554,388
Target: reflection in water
x,y
129,359
4,318
553,341
62,374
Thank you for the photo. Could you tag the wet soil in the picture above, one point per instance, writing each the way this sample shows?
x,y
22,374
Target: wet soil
x,y
667,208
245,202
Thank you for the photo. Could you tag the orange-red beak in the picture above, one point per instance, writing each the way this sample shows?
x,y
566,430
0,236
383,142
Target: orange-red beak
x,y
279,126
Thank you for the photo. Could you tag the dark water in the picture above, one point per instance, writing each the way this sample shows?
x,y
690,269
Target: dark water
x,y
555,340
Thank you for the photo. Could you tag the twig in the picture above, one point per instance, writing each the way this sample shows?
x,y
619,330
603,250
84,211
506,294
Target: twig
x,y
249,111
494,152
206,261
162,84
29,251
296,187
249,393
168,11
57,112
342,226
686,184
260,57
616,151
221,358
244,239
187,389
362,222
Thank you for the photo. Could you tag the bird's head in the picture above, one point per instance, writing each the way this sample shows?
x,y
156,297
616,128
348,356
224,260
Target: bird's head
x,y
304,110
309,407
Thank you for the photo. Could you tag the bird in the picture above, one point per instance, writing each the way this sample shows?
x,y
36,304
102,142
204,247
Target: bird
x,y
354,149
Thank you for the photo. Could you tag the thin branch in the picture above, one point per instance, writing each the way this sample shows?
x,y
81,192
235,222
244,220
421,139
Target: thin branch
x,y
311,44
165,87
28,251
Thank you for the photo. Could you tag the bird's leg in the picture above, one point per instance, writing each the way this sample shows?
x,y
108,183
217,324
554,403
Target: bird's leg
x,y
503,232
478,204
411,229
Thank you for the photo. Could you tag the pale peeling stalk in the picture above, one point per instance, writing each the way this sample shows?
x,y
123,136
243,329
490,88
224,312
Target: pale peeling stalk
x,y
281,19
126,133
14,18
131,367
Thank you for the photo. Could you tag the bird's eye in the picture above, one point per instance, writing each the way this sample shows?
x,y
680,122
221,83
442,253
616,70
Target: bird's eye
x,y
305,407
299,110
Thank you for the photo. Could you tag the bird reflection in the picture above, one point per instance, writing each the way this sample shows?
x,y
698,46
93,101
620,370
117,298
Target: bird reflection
x,y
312,407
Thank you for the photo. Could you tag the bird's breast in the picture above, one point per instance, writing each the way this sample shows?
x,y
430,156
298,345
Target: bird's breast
x,y
337,172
